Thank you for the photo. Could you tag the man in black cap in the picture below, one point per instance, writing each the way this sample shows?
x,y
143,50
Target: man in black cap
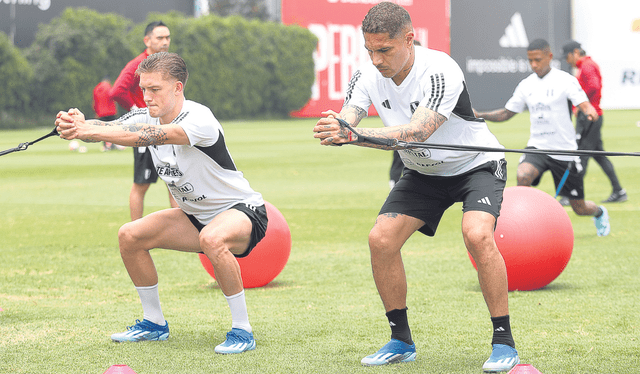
x,y
588,133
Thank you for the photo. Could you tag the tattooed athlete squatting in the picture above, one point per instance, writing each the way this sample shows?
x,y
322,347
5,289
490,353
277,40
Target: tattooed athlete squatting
x,y
420,95
218,215
126,92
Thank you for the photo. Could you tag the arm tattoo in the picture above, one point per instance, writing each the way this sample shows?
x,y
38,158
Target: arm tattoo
x,y
427,122
96,122
147,134
423,124
152,135
353,114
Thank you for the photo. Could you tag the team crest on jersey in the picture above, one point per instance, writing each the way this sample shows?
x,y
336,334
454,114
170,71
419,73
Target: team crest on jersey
x,y
541,111
541,107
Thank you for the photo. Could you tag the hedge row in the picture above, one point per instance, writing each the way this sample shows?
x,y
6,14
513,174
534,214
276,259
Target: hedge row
x,y
239,68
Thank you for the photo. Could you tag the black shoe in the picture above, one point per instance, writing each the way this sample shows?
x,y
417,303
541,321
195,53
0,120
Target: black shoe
x,y
617,197
564,201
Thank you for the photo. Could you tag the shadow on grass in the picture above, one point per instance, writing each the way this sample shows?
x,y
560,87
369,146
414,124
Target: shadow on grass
x,y
271,285
552,287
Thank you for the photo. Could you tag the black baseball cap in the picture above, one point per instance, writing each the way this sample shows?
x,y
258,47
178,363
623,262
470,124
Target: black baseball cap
x,y
570,47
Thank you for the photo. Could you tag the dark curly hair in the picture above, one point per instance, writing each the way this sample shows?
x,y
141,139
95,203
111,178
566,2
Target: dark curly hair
x,y
387,17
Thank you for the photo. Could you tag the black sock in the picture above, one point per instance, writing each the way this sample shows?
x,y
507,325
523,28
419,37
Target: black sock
x,y
399,325
502,331
598,212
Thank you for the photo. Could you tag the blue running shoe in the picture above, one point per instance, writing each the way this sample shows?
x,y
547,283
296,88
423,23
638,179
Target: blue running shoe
x,y
142,330
238,341
392,352
503,358
602,222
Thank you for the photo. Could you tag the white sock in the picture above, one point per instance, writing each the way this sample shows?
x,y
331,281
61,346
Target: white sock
x,y
150,300
239,315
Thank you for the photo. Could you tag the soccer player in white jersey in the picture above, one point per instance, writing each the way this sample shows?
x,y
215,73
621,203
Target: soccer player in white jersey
x,y
420,95
218,215
548,93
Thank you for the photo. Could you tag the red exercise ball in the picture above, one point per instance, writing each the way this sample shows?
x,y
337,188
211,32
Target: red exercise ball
x,y
535,237
268,258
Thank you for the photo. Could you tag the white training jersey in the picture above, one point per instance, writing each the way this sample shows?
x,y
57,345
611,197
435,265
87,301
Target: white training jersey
x,y
437,83
201,176
549,101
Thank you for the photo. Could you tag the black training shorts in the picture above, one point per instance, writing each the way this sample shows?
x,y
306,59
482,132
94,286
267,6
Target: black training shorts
x,y
573,187
144,172
258,217
426,197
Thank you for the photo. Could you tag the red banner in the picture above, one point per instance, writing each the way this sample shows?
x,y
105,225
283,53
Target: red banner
x,y
337,24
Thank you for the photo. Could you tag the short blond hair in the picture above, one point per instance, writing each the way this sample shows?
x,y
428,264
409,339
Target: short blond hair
x,y
169,64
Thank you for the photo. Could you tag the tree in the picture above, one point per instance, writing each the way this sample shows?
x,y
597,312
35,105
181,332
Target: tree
x,y
247,69
71,54
240,68
15,75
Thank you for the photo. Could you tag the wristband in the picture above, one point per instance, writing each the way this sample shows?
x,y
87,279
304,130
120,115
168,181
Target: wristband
x,y
345,124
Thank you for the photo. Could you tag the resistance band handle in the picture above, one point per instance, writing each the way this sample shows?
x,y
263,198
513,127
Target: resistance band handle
x,y
24,146
362,138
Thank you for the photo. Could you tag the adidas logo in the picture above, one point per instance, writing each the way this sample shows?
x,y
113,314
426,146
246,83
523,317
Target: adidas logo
x,y
499,329
391,324
386,104
508,361
414,106
515,36
485,200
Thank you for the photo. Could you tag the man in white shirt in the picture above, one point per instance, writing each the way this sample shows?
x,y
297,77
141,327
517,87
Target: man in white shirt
x,y
420,95
548,94
218,215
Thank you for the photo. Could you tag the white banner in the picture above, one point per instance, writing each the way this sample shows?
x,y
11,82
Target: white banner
x,y
609,32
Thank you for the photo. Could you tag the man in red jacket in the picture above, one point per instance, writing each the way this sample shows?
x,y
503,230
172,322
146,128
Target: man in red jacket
x,y
588,133
104,106
126,92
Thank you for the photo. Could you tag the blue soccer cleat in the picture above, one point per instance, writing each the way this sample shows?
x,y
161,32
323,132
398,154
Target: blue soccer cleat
x,y
503,358
602,222
142,330
238,341
392,352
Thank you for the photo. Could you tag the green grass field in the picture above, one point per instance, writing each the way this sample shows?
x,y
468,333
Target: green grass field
x,y
64,289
